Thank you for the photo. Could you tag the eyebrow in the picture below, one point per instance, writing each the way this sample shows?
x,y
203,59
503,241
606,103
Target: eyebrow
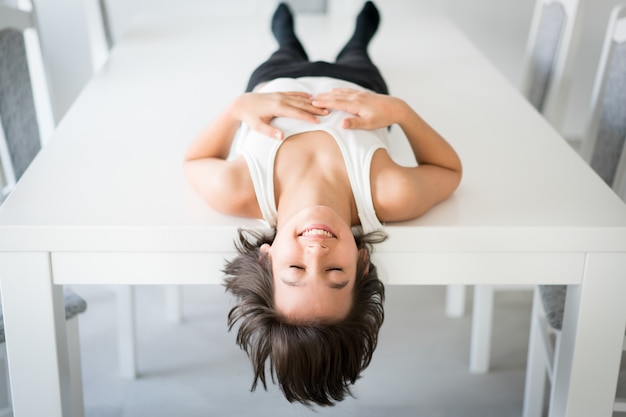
x,y
333,286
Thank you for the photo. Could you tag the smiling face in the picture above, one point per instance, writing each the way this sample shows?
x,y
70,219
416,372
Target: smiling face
x,y
314,259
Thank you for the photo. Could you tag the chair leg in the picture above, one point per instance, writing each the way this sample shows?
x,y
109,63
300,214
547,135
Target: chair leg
x,y
7,176
127,339
482,323
536,374
455,300
6,409
76,377
620,405
174,305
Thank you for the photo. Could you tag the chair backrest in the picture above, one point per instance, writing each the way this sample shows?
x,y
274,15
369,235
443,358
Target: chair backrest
x,y
606,134
553,299
26,74
106,23
19,127
606,131
619,183
548,49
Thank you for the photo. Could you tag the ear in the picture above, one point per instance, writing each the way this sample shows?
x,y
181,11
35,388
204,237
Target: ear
x,y
265,253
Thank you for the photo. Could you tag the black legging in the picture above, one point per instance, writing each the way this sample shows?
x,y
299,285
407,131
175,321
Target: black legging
x,y
352,64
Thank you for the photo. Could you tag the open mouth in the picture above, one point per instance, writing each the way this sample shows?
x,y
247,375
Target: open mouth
x,y
318,231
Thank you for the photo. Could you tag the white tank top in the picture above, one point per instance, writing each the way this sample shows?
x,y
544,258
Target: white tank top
x,y
357,148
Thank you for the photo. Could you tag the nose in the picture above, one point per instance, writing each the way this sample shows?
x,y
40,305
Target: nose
x,y
315,254
316,247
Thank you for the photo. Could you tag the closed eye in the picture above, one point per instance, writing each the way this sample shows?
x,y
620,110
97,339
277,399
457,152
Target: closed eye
x,y
335,269
296,266
339,286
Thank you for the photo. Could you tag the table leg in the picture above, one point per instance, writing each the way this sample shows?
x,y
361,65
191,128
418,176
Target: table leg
x,y
586,369
455,300
34,319
174,303
127,331
482,324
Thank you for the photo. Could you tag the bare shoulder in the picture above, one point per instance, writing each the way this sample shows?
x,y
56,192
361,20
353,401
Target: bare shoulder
x,y
225,185
402,193
392,188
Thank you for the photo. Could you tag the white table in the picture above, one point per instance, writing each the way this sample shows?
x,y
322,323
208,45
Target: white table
x,y
106,201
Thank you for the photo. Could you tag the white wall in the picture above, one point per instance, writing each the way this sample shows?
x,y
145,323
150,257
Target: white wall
x,y
498,27
63,34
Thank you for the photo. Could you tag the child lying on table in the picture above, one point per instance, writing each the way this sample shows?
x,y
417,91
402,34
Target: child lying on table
x,y
314,165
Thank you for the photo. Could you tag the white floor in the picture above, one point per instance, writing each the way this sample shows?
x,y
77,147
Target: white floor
x,y
195,368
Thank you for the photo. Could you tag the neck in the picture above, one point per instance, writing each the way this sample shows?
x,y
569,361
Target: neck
x,y
310,171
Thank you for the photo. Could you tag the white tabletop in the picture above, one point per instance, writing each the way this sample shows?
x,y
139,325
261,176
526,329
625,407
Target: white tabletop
x,y
111,178
109,190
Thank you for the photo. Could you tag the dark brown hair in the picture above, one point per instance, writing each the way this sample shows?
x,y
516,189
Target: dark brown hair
x,y
315,362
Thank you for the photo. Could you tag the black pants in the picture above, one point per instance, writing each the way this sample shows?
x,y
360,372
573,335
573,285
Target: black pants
x,y
353,64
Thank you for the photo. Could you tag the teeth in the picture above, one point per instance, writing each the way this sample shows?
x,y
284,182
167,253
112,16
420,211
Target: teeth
x,y
317,232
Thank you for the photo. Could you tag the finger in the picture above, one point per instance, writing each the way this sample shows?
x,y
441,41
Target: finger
x,y
298,113
338,104
296,93
345,90
329,96
307,106
277,134
353,123
300,109
267,130
323,102
335,97
318,111
338,93
311,109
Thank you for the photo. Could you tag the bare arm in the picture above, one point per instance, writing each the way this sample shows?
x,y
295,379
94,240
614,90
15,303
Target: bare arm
x,y
403,193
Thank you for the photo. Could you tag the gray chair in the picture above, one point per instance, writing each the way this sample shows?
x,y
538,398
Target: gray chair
x,y
619,182
605,135
26,107
74,305
26,116
19,131
22,109
548,52
19,144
